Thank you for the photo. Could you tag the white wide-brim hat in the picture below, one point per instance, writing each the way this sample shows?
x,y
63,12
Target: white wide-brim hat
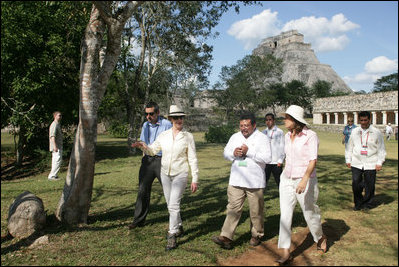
x,y
297,113
175,111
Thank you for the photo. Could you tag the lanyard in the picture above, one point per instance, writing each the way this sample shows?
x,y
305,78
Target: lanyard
x,y
361,138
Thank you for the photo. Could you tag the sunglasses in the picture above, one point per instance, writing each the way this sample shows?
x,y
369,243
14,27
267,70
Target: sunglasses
x,y
150,113
178,117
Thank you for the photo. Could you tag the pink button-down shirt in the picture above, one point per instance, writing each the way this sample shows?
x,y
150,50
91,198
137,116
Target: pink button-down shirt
x,y
299,152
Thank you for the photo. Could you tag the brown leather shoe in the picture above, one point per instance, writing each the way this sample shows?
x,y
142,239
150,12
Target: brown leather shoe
x,y
134,225
255,241
223,242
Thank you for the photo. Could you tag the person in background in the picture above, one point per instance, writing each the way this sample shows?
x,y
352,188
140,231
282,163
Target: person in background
x,y
178,149
388,131
299,182
150,165
249,152
276,143
347,132
56,143
365,156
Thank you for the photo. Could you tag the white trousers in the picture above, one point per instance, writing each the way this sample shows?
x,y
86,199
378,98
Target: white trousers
x,y
55,163
307,201
173,189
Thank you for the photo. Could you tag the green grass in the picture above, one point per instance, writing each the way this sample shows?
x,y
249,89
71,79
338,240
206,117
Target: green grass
x,y
372,237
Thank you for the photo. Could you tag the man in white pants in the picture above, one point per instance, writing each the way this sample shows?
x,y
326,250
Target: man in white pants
x,y
55,136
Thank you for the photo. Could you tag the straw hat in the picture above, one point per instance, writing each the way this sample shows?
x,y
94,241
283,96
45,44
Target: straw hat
x,y
174,111
297,113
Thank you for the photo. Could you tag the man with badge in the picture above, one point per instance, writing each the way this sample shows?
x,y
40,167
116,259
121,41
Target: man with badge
x,y
365,156
249,152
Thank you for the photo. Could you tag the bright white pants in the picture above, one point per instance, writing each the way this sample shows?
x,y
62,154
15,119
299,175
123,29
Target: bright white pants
x,y
173,189
307,201
55,163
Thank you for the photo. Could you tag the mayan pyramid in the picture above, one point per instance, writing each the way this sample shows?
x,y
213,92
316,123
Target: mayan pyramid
x,y
300,61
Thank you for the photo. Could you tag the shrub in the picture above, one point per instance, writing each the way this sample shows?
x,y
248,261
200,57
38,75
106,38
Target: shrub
x,y
118,129
219,134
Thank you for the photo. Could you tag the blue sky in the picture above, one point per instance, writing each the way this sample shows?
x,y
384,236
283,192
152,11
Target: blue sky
x,y
359,40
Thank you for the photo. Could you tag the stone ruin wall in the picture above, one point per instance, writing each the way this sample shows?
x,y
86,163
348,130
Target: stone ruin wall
x,y
371,102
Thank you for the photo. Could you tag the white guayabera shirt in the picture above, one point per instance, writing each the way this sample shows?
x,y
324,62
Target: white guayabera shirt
x,y
366,148
248,172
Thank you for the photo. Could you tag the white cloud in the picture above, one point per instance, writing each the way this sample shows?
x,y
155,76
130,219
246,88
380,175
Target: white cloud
x,y
322,33
381,64
374,70
252,31
363,78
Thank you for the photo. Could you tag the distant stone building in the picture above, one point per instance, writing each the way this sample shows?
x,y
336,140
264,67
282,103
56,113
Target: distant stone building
x,y
299,61
336,110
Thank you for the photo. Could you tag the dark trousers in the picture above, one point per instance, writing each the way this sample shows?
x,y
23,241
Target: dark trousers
x,y
150,168
273,168
363,179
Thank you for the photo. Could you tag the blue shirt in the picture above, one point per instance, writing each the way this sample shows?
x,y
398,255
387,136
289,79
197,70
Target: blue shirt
x,y
149,131
347,132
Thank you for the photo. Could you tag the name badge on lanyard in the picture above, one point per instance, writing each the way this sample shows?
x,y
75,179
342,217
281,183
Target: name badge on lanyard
x,y
363,150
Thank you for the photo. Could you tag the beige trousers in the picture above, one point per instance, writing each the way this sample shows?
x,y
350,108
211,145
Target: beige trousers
x,y
236,197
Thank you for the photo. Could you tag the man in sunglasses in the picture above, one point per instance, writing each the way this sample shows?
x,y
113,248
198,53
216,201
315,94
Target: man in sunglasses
x,y
150,165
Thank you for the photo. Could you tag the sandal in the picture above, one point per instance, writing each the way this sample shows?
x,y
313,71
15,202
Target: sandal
x,y
285,261
322,244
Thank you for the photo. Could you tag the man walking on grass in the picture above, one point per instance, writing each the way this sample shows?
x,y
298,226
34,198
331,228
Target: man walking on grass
x,y
249,152
150,165
365,156
56,139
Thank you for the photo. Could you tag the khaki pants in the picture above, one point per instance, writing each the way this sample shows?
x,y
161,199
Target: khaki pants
x,y
236,197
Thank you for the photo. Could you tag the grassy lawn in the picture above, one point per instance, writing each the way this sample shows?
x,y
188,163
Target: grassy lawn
x,y
363,238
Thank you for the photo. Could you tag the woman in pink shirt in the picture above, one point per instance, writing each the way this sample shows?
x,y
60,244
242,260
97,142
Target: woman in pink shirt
x,y
298,182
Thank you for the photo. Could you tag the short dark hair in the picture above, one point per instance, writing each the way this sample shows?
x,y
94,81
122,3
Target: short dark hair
x,y
248,116
152,105
365,114
271,115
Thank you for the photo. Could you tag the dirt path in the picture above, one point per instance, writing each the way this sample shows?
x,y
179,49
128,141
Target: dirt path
x,y
303,250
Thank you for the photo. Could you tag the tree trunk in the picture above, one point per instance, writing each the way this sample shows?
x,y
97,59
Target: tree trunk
x,y
74,204
73,207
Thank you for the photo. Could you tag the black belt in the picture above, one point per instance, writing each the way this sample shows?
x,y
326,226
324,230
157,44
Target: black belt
x,y
153,157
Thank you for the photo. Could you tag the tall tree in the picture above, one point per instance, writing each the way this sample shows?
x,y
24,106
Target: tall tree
x,y
98,60
171,36
386,83
39,67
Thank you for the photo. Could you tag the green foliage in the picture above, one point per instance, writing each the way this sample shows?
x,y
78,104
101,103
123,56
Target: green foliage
x,y
321,89
386,83
219,134
248,85
40,60
118,129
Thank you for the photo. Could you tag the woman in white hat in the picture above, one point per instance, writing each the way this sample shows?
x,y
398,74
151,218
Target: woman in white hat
x,y
298,181
178,153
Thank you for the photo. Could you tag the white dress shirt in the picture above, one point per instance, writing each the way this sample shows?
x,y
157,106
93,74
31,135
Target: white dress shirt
x,y
276,141
177,153
248,172
373,139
